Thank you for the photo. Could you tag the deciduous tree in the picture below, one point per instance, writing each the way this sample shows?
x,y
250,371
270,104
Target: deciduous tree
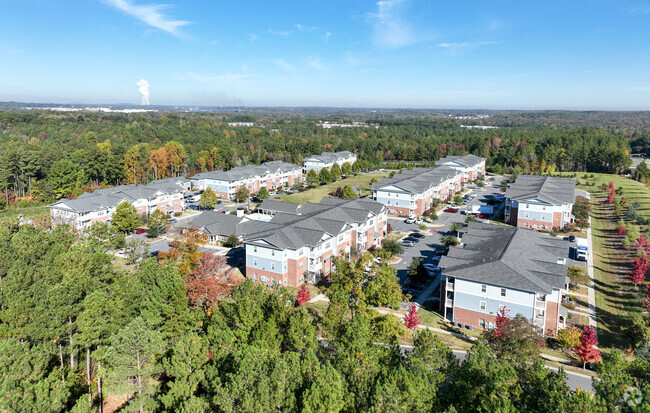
x,y
263,193
312,179
125,217
303,295
412,319
157,223
208,199
210,282
587,350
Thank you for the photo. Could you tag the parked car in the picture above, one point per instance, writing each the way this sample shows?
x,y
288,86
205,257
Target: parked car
x,y
140,231
431,267
483,215
406,243
416,235
154,253
173,244
410,220
572,238
414,286
172,221
419,220
435,260
411,239
452,210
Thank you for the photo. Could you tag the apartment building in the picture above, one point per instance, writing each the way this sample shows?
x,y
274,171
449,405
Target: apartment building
x,y
271,175
501,266
413,191
471,166
540,202
295,248
99,206
328,159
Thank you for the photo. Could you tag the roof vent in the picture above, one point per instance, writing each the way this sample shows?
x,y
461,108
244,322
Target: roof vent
x,y
561,261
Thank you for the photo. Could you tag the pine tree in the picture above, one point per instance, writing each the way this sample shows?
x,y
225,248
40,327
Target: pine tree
x,y
312,179
336,172
303,294
349,193
587,350
325,176
412,319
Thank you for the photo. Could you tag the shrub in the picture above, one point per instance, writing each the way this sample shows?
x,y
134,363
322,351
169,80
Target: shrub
x,y
392,246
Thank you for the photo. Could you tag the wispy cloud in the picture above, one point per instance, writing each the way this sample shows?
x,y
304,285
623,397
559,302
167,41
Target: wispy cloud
x,y
302,28
327,36
252,37
283,33
315,63
640,89
390,28
225,78
150,14
283,64
455,46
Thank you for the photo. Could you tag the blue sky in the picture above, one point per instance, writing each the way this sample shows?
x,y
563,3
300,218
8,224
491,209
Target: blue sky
x,y
393,53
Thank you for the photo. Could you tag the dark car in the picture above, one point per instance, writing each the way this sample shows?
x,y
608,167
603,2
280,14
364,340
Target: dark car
x,y
416,235
452,210
411,239
154,253
572,238
140,231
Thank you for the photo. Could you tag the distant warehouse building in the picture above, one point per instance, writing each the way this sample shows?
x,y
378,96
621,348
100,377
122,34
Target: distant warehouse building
x,y
505,267
540,202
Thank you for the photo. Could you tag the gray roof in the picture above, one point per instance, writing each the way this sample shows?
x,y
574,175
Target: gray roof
x,y
280,206
330,216
468,160
248,171
218,223
417,180
510,257
555,191
331,157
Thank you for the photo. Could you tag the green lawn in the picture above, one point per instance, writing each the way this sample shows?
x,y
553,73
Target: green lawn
x,y
316,194
614,295
27,212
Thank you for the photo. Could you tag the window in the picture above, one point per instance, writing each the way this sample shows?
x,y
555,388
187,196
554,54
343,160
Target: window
x,y
502,307
328,244
526,215
254,249
285,266
300,252
255,262
483,288
482,305
526,205
301,265
255,276
526,224
273,266
389,202
503,292
481,322
272,253
543,217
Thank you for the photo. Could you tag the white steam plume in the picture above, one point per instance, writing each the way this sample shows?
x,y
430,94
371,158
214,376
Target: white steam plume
x,y
143,88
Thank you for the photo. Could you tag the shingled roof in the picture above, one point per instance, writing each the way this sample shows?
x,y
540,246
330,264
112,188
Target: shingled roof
x,y
510,257
468,160
417,180
248,171
331,157
555,191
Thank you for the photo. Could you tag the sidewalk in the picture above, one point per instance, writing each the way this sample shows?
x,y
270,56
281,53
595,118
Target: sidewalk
x,y
591,292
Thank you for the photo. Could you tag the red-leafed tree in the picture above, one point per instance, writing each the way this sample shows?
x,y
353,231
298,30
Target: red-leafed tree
x,y
500,322
639,269
210,282
412,319
587,350
610,198
621,229
645,301
303,295
642,243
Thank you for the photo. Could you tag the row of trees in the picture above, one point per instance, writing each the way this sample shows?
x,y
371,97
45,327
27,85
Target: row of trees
x,y
45,155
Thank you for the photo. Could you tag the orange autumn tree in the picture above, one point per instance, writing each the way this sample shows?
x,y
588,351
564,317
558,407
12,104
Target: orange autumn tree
x,y
208,278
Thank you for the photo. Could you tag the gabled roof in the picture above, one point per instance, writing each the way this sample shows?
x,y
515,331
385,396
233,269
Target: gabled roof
x,y
468,160
279,206
510,257
330,157
417,180
248,171
554,191
218,223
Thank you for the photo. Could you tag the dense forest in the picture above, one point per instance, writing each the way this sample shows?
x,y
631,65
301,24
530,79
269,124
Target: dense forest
x,y
46,155
77,331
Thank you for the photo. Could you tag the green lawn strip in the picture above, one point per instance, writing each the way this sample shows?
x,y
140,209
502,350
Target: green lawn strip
x,y
316,194
28,212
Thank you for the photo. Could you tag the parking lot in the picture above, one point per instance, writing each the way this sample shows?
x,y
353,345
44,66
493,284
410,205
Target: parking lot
x,y
426,247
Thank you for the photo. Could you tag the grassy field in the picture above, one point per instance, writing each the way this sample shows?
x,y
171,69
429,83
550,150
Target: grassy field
x,y
27,212
615,297
316,194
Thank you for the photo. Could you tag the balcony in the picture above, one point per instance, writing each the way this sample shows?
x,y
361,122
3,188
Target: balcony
x,y
449,285
538,322
541,304
449,302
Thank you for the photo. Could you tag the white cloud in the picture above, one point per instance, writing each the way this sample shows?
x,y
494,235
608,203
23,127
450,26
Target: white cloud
x,y
390,29
315,63
283,33
225,78
149,14
640,89
453,45
283,64
461,45
327,36
302,28
252,37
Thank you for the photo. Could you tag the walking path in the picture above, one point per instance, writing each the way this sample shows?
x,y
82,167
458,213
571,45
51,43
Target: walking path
x,y
591,292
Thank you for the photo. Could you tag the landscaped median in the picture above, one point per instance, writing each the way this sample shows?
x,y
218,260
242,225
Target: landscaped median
x,y
314,195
